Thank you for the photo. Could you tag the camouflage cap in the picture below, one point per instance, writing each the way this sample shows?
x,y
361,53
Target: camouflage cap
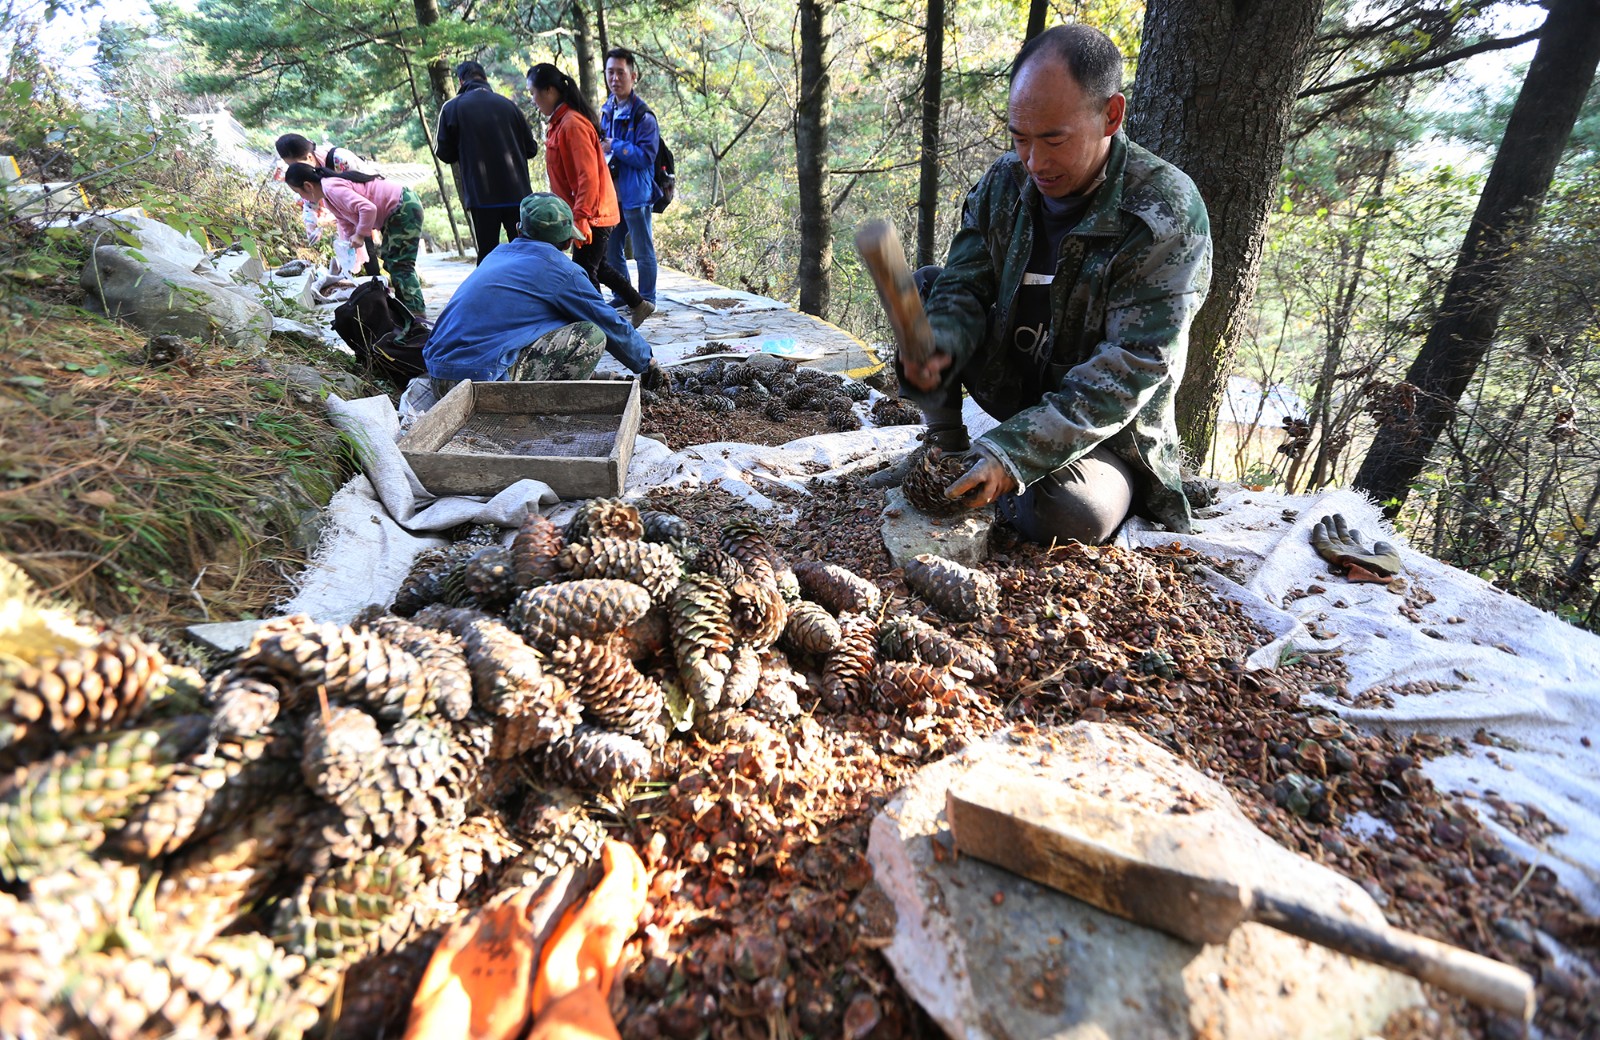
x,y
547,218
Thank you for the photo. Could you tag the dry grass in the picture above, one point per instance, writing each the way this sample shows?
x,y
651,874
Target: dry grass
x,y
171,493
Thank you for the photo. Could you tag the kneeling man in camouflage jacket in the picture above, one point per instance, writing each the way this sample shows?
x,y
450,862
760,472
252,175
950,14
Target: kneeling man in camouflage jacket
x,y
1064,306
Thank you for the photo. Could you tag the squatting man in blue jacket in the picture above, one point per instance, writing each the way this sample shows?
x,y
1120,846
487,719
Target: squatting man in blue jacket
x,y
527,312
631,139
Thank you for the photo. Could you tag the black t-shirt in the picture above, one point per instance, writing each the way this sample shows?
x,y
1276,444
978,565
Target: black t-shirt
x,y
1030,330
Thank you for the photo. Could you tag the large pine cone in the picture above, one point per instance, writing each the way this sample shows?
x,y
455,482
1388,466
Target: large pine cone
x,y
652,566
719,565
959,593
702,636
490,578
340,749
843,420
746,543
888,411
206,792
233,987
589,607
758,613
610,687
848,668
437,575
242,704
666,528
643,639
598,759
505,670
811,629
904,684
930,472
743,678
840,589
453,861
605,518
70,688
358,667
557,833
354,910
443,658
905,638
546,714
534,551
59,809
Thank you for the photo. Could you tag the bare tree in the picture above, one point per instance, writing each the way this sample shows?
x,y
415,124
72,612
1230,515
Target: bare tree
x,y
812,110
1217,80
1536,134
928,183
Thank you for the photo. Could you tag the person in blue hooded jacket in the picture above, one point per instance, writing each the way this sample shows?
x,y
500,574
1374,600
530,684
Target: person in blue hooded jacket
x,y
528,312
631,138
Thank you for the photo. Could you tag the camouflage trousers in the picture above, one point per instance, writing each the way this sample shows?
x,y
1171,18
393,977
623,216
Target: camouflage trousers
x,y
402,233
570,352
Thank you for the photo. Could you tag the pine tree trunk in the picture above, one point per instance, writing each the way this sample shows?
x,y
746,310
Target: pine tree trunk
x,y
1216,84
1038,11
439,84
928,186
1536,135
811,158
588,79
600,31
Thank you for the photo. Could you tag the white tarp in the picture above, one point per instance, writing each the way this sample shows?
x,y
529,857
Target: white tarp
x,y
1526,678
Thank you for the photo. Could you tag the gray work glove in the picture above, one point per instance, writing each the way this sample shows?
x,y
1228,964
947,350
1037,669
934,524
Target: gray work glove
x,y
1343,548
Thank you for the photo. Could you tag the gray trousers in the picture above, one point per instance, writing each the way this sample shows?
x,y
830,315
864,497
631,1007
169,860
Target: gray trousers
x,y
1086,501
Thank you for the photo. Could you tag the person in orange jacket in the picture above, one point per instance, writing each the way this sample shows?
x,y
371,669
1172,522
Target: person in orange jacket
x,y
579,175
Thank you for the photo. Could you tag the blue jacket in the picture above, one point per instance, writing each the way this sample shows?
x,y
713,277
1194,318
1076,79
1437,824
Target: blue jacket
x,y
521,291
636,139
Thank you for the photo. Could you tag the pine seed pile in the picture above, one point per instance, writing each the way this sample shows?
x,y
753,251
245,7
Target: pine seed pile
x,y
736,401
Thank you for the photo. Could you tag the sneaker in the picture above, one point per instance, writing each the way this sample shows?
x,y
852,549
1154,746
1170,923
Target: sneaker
x,y
640,311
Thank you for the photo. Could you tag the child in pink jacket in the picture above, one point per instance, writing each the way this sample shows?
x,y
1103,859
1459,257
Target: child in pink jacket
x,y
366,205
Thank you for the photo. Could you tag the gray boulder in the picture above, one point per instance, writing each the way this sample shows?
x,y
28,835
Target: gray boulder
x,y
162,297
154,239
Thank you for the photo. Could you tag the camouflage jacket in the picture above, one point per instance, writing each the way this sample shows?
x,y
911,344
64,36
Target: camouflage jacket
x,y
1128,282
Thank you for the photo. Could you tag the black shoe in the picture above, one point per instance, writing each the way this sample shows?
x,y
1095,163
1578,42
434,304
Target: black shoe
x,y
892,475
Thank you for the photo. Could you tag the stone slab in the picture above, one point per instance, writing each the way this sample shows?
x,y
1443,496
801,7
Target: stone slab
x,y
990,954
224,637
155,239
163,298
908,532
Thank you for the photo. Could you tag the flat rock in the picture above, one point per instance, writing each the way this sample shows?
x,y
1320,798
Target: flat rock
x,y
907,532
150,236
990,954
224,637
164,298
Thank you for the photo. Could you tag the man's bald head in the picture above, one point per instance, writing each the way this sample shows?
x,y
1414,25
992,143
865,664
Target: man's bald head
x,y
1088,54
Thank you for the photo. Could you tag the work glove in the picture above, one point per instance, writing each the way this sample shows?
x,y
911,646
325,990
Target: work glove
x,y
1343,548
985,480
653,378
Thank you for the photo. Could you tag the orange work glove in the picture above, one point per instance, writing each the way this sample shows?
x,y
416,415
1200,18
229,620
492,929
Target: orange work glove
x,y
581,959
477,984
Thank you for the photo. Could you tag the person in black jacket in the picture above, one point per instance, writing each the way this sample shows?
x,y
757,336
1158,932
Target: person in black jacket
x,y
487,134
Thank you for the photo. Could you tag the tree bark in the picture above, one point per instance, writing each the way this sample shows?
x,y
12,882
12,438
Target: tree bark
x,y
588,78
1038,11
928,185
440,88
1536,134
600,31
1216,84
811,155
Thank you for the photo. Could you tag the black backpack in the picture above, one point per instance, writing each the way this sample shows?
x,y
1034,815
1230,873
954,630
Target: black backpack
x,y
386,337
666,179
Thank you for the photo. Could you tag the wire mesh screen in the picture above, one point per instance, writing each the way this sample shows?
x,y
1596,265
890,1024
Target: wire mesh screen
x,y
564,436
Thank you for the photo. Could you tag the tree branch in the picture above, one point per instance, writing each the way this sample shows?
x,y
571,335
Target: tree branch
x,y
1436,62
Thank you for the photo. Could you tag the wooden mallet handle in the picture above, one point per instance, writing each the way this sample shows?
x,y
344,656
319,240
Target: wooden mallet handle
x,y
885,260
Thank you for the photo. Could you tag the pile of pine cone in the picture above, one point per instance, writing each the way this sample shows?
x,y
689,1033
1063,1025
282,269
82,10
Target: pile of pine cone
x,y
220,856
774,390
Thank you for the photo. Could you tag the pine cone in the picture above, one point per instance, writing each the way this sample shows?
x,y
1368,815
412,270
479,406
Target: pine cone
x,y
340,749
557,834
203,794
719,565
454,861
848,668
59,809
610,687
743,677
811,629
702,636
598,759
776,411
738,726
505,670
855,389
437,575
605,518
959,593
546,714
534,551
665,528
757,613
476,534
716,403
799,399
357,667
746,543
840,589
489,577
902,684
649,565
905,638
352,911
643,639
242,704
57,687
590,607
843,420
438,767
443,658
931,471
888,411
